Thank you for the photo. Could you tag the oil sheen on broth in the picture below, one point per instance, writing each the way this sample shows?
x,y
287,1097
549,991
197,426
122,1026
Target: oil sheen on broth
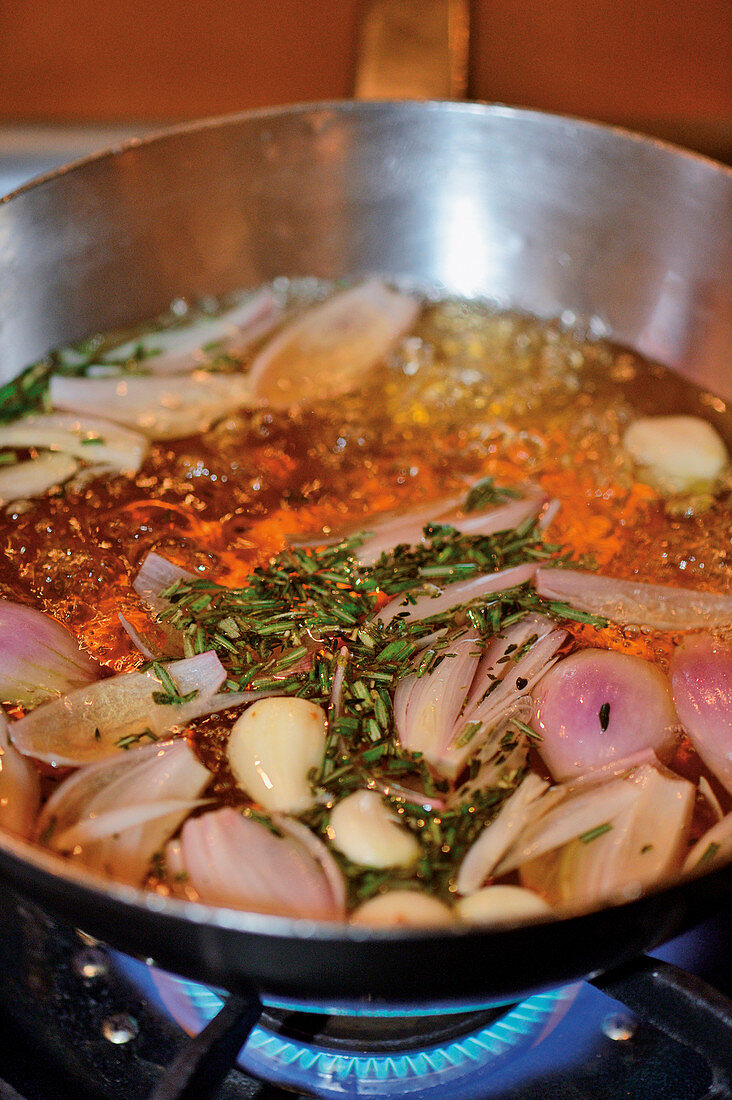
x,y
469,393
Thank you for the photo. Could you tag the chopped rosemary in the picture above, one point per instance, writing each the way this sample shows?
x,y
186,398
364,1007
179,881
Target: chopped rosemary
x,y
592,834
135,739
486,492
708,854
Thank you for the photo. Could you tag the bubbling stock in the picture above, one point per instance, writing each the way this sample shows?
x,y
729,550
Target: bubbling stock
x,y
469,393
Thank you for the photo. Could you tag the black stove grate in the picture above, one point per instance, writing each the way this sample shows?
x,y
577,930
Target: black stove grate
x,y
73,1027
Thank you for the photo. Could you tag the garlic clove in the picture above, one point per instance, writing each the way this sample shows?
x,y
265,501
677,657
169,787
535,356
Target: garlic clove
x,y
676,453
273,747
499,904
367,832
402,908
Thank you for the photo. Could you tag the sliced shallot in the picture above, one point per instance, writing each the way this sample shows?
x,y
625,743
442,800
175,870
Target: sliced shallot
x,y
701,679
449,713
598,706
427,707
159,406
92,440
20,787
327,351
439,600
713,849
571,817
409,529
641,845
114,815
39,658
633,602
234,861
89,723
497,837
186,346
25,480
155,576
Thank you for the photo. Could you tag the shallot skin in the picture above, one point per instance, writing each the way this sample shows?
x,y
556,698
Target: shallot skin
x,y
599,706
701,680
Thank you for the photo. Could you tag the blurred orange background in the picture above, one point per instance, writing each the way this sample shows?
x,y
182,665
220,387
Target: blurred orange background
x,y
662,66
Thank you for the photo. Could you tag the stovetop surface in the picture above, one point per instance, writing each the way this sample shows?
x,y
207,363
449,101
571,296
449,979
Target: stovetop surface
x,y
73,1027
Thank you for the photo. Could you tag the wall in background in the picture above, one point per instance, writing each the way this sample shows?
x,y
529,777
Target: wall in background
x,y
662,65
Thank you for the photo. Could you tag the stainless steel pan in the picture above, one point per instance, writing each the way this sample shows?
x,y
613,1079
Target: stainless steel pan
x,y
539,213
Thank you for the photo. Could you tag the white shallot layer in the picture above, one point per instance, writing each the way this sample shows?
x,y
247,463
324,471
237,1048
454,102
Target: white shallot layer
x,y
272,749
365,831
114,815
633,603
497,837
713,848
327,351
597,707
568,817
88,723
29,479
39,658
449,713
402,909
408,530
426,708
701,679
155,576
91,439
20,788
195,343
499,760
236,862
639,846
438,600
160,406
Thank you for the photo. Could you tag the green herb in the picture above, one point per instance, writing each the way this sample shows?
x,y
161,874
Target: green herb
x,y
527,730
646,848
7,458
604,716
592,834
92,441
135,738
169,696
709,853
484,493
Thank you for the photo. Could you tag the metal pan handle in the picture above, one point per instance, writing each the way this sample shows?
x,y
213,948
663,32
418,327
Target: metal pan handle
x,y
413,49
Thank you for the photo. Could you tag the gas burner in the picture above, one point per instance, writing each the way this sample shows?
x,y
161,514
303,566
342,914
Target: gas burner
x,y
78,1022
354,1052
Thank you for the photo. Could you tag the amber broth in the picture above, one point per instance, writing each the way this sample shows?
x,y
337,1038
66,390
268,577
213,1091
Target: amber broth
x,y
471,392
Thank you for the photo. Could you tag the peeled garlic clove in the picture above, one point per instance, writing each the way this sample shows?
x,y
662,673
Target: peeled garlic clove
x,y
367,832
498,904
676,453
273,747
402,908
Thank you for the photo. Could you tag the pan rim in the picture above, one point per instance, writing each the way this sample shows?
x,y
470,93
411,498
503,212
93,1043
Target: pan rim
x,y
351,107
